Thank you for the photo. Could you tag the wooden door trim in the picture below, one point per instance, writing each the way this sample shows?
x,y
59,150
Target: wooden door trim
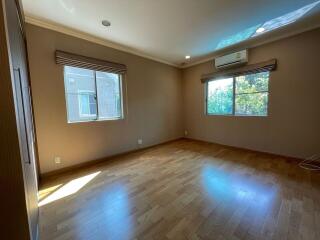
x,y
24,34
14,210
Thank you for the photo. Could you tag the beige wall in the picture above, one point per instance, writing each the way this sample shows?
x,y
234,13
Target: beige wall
x,y
293,125
154,103
163,101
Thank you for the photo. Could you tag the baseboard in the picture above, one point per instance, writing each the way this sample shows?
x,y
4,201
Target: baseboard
x,y
101,160
80,166
245,149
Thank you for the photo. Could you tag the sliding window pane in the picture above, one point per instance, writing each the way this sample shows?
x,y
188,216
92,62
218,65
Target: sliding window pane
x,y
253,104
80,94
220,97
109,95
252,83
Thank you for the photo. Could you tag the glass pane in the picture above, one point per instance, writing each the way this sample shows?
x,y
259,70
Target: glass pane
x,y
220,96
78,79
93,104
84,104
87,105
254,104
109,95
80,93
252,83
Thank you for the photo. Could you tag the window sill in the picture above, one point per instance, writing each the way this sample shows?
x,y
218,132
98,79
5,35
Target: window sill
x,y
97,120
231,115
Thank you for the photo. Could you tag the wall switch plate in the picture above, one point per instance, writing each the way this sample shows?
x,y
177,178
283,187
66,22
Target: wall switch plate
x,y
186,133
57,160
140,141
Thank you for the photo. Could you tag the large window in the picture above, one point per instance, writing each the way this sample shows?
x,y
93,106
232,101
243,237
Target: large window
x,y
242,96
92,95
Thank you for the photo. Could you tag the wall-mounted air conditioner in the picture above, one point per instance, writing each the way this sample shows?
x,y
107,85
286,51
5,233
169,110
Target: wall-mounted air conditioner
x,y
232,59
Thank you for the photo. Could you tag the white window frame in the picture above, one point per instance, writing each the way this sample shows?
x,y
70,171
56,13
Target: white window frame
x,y
86,117
233,114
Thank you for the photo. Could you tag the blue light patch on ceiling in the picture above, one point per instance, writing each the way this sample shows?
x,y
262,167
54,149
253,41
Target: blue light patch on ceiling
x,y
239,37
267,26
286,19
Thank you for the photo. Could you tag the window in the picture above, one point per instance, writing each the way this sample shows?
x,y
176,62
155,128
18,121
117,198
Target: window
x,y
92,95
242,96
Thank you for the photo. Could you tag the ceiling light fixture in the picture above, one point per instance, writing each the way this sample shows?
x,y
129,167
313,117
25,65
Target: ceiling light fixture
x,y
188,57
260,30
106,23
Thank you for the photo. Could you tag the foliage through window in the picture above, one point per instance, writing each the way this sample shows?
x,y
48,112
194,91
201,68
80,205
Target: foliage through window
x,y
92,95
242,96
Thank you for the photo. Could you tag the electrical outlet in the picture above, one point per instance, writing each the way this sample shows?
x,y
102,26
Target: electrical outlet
x,y
186,133
57,160
140,141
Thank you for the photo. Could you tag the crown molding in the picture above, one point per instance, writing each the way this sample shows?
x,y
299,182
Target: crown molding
x,y
250,43
88,37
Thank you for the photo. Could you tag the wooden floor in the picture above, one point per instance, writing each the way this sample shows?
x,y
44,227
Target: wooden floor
x,y
184,190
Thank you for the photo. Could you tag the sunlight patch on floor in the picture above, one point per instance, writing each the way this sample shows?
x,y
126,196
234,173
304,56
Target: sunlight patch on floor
x,y
68,189
45,192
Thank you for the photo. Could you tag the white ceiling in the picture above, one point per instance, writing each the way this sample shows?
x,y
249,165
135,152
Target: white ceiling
x,y
166,30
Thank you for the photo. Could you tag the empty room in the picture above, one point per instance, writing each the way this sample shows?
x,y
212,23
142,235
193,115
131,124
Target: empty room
x,y
160,119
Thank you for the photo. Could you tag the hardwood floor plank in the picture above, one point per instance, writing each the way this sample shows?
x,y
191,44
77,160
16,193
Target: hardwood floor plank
x,y
183,190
